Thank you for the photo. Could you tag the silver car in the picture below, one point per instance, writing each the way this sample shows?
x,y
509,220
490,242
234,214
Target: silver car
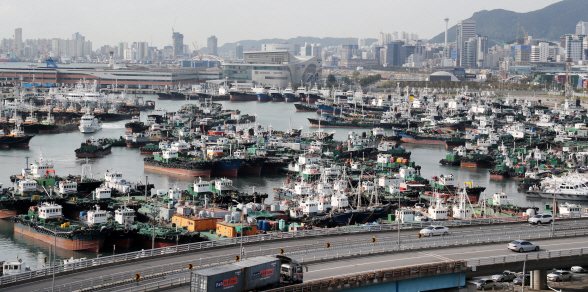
x,y
578,269
434,230
506,276
522,246
485,284
559,276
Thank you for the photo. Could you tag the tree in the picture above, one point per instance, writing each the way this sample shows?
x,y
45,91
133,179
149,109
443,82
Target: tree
x,y
355,75
331,79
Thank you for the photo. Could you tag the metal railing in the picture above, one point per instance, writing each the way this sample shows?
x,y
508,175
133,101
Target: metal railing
x,y
320,252
247,239
528,256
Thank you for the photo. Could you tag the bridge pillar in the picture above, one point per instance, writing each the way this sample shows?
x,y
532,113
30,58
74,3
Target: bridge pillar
x,y
538,280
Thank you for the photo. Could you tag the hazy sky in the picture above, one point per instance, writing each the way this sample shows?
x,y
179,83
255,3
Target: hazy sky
x,y
111,21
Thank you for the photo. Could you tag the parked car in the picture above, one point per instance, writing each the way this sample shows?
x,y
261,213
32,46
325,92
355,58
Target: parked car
x,y
559,276
519,280
541,219
434,230
506,276
485,284
578,269
522,245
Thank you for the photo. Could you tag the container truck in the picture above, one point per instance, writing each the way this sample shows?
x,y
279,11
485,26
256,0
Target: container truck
x,y
259,273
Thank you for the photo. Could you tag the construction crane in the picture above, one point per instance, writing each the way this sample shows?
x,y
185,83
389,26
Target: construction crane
x,y
526,34
195,44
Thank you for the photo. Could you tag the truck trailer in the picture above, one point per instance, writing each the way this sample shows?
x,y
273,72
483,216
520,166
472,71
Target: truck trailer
x,y
254,274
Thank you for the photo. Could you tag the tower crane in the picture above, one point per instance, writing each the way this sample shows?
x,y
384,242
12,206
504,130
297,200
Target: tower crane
x,y
195,44
526,35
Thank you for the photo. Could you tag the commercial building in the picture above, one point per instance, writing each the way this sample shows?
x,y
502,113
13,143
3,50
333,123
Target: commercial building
x,y
291,48
393,54
212,45
482,50
540,53
466,29
178,45
277,68
469,53
151,78
18,41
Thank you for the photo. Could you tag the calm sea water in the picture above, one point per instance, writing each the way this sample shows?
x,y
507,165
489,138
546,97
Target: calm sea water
x,y
60,148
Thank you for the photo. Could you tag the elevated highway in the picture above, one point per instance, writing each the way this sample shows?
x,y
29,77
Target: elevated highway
x,y
312,251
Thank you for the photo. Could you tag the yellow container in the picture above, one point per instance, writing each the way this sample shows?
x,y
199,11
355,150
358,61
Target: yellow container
x,y
399,160
35,196
73,199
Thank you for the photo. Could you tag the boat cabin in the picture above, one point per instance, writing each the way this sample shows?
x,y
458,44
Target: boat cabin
x,y
404,214
499,199
201,186
102,193
339,201
124,216
97,216
50,211
68,187
570,210
27,185
14,267
309,206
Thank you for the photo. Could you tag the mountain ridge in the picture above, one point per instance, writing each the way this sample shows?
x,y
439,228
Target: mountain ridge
x,y
550,22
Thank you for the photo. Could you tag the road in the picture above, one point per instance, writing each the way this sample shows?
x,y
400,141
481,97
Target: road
x,y
355,265
320,241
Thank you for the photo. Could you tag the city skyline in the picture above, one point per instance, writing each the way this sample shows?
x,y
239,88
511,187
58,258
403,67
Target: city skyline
x,y
105,25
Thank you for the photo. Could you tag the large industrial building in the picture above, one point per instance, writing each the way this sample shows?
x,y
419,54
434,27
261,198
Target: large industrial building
x,y
275,68
154,77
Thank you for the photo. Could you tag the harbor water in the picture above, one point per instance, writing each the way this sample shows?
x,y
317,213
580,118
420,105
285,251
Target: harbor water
x,y
279,115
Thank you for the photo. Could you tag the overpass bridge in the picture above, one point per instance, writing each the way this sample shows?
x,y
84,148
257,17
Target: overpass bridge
x,y
308,250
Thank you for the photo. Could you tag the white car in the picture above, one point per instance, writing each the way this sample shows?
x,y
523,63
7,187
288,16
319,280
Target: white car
x,y
541,219
559,276
522,245
434,230
578,269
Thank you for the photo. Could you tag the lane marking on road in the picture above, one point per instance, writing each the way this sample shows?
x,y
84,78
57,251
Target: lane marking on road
x,y
436,256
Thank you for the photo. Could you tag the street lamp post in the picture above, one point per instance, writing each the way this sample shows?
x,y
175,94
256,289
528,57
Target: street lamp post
x,y
54,260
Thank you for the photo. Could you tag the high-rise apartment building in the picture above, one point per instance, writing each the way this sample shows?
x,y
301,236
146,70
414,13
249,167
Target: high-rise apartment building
x,y
574,46
469,53
178,44
212,45
466,29
18,41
